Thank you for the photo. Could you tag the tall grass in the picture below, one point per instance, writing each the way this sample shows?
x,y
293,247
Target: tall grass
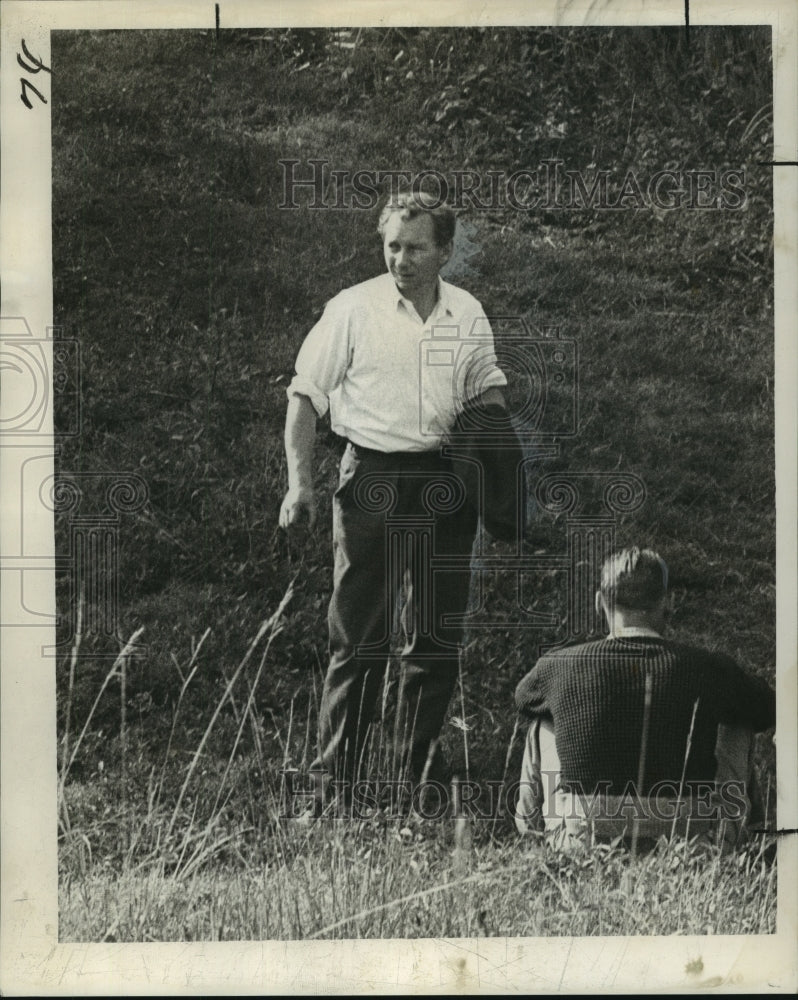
x,y
202,855
395,883
166,827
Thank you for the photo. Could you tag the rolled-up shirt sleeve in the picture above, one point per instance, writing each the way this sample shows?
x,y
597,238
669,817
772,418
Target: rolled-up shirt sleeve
x,y
480,370
323,357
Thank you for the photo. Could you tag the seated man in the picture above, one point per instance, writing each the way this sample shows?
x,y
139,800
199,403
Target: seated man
x,y
636,714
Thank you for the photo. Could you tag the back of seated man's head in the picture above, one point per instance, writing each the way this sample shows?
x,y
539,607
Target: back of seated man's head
x,y
634,580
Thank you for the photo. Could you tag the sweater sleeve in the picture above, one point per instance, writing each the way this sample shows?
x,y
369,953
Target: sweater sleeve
x,y
744,699
531,698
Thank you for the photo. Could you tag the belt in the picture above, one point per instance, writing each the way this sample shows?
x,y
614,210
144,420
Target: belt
x,y
400,457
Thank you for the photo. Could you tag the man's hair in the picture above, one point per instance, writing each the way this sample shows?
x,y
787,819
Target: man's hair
x,y
636,579
410,204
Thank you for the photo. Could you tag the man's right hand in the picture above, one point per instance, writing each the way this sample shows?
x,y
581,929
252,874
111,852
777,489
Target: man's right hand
x,y
299,508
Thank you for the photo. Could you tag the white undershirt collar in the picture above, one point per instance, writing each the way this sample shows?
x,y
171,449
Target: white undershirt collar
x,y
634,632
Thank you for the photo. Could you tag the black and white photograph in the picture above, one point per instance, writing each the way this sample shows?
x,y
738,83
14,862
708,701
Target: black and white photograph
x,y
399,530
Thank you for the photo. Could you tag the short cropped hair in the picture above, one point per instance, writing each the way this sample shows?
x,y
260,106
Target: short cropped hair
x,y
413,203
635,579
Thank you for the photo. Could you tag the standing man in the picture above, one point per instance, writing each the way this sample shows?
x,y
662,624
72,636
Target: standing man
x,y
395,359
603,712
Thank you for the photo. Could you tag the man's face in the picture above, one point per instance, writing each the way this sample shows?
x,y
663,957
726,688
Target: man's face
x,y
412,255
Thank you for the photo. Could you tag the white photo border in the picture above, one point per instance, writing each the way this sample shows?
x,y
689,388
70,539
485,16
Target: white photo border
x,y
32,961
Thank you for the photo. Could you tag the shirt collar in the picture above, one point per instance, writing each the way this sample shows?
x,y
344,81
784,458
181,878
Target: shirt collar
x,y
444,296
634,632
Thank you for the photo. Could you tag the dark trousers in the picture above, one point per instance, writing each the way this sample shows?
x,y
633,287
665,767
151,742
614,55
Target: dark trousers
x,y
396,520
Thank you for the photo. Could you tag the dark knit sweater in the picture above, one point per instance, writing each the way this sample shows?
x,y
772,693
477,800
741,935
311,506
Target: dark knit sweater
x,y
594,693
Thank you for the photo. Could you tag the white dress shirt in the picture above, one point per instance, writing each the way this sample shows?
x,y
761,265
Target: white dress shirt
x,y
392,381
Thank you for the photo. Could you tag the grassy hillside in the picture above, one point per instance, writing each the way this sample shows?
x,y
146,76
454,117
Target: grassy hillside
x,y
190,292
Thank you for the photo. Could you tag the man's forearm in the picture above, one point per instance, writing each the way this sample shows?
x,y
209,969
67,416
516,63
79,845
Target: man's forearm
x,y
300,440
